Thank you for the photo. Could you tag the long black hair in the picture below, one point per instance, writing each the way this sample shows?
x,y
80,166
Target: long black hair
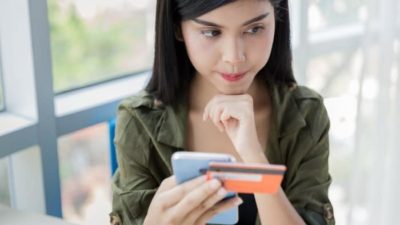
x,y
172,69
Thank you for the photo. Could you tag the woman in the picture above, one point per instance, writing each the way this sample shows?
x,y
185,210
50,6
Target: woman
x,y
222,82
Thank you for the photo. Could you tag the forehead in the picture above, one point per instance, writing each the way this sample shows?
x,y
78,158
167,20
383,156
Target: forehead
x,y
237,12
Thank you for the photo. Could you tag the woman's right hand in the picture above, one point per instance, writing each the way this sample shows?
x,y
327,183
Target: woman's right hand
x,y
193,202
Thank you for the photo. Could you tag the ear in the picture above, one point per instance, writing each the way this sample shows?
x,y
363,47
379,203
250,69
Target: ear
x,y
178,33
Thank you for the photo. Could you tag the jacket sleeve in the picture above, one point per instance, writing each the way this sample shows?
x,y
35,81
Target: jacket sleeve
x,y
308,179
133,185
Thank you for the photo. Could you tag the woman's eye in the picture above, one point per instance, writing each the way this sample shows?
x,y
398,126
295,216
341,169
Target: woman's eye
x,y
255,30
211,33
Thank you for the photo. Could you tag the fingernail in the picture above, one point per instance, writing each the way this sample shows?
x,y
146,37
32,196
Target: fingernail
x,y
238,201
203,178
215,184
222,192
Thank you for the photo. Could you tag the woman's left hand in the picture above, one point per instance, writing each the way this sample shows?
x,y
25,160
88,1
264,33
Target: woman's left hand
x,y
234,114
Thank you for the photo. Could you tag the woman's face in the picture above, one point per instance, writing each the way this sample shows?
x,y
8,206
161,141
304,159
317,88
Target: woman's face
x,y
229,45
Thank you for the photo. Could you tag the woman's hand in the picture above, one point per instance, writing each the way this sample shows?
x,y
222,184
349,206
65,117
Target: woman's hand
x,y
191,203
234,114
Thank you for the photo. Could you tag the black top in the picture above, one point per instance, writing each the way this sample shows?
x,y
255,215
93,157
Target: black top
x,y
247,210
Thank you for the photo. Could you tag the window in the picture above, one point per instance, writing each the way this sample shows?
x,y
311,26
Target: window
x,y
36,121
99,40
1,95
1,89
324,13
334,75
333,66
86,175
4,185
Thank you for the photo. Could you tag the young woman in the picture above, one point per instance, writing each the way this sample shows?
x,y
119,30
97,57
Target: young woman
x,y
222,82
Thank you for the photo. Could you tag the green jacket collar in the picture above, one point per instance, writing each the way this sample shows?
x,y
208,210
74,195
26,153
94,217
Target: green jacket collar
x,y
287,117
172,126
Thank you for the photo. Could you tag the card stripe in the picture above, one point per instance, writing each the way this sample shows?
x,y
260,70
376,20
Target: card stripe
x,y
246,170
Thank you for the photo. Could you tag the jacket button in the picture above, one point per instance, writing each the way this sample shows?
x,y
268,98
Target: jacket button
x,y
115,220
328,211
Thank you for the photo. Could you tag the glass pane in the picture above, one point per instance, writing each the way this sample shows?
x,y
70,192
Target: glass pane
x,y
1,90
327,13
4,184
335,74
336,77
1,95
85,176
92,41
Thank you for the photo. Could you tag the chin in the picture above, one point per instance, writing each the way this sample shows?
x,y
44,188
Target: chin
x,y
233,91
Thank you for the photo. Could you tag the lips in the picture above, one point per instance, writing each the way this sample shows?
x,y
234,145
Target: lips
x,y
232,77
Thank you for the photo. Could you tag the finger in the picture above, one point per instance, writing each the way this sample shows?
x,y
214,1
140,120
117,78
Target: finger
x,y
205,205
216,117
166,184
211,201
209,106
174,195
192,200
225,116
218,208
206,113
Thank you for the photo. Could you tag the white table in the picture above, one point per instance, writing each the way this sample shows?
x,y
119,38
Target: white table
x,y
10,216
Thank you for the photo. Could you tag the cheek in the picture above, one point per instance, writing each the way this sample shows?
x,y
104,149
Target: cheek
x,y
201,52
264,42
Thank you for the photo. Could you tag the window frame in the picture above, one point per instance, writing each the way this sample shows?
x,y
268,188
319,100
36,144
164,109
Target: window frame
x,y
37,116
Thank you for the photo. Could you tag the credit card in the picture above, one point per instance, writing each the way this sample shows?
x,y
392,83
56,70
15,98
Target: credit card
x,y
247,177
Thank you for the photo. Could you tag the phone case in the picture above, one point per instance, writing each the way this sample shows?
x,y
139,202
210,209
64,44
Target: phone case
x,y
189,165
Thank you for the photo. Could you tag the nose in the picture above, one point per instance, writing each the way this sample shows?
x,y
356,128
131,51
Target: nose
x,y
233,51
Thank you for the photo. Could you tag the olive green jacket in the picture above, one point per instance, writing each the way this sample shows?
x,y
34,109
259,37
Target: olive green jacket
x,y
148,133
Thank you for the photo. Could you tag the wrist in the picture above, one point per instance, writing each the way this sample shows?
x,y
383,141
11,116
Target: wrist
x,y
254,154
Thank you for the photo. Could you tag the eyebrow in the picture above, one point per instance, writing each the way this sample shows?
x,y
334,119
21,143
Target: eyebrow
x,y
211,24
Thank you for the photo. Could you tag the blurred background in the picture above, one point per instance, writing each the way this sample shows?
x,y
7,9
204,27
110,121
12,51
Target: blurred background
x,y
65,64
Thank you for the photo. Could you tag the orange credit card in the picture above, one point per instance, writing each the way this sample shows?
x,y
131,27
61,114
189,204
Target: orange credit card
x,y
247,177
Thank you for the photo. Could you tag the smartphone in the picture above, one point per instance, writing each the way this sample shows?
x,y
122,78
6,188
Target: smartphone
x,y
189,165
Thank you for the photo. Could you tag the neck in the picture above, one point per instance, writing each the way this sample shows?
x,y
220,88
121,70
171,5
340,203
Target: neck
x,y
202,91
